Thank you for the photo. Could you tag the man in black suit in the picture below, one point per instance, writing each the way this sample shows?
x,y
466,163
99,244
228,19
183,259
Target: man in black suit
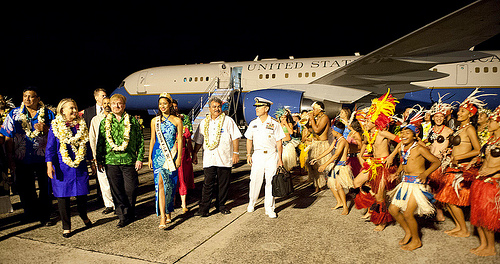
x,y
89,113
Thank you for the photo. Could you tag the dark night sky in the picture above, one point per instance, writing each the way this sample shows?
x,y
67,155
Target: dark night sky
x,y
69,50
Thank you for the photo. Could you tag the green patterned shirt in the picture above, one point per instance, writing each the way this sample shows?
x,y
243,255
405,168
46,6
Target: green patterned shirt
x,y
135,148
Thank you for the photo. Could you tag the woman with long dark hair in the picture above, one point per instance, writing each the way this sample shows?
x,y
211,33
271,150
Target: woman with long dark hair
x,y
165,151
458,174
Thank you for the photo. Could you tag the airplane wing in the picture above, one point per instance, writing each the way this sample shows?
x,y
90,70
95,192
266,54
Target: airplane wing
x,y
409,58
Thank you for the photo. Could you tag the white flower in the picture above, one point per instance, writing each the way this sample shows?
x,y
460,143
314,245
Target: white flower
x,y
126,132
78,142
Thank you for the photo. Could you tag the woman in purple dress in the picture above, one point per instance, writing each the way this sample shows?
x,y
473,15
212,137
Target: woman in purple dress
x,y
66,155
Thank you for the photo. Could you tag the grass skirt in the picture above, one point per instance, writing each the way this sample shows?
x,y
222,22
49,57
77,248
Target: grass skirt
x,y
341,174
380,214
456,186
363,200
412,186
485,205
316,148
304,149
289,156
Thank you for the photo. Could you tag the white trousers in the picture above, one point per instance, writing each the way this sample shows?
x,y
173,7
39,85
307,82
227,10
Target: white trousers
x,y
263,165
105,189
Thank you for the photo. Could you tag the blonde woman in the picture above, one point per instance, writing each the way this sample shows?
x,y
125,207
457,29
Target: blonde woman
x,y
66,155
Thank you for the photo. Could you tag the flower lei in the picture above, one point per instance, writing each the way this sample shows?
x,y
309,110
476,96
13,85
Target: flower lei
x,y
371,140
26,125
126,132
218,129
405,154
78,142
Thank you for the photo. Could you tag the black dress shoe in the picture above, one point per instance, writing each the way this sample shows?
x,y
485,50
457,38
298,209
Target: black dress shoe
x,y
202,214
122,223
88,224
225,211
108,210
66,235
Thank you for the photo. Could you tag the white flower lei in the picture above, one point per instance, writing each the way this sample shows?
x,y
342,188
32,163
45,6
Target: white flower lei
x,y
27,125
78,142
126,133
218,129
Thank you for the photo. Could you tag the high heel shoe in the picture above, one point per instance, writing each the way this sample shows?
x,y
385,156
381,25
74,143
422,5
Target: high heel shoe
x,y
163,226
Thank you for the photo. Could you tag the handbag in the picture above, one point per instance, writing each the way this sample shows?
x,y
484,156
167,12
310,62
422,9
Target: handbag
x,y
282,183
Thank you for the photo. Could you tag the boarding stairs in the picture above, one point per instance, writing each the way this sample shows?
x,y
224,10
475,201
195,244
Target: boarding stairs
x,y
218,87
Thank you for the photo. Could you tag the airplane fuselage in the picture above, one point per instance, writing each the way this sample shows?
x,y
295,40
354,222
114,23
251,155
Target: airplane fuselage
x,y
187,83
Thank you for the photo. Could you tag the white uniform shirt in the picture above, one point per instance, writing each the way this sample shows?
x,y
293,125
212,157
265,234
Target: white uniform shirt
x,y
94,131
222,155
264,134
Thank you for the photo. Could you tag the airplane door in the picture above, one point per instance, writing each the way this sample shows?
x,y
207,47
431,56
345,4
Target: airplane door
x,y
462,72
141,82
236,77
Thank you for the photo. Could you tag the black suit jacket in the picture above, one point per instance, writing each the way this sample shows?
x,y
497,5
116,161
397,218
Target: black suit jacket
x,y
88,114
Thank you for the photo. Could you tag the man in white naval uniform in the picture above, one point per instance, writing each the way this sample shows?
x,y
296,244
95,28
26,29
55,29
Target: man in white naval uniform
x,y
219,135
265,135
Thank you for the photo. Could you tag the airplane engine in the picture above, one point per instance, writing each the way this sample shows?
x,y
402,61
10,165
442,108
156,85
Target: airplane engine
x,y
290,99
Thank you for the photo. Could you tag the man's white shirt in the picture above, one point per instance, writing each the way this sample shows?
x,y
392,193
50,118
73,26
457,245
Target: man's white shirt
x,y
222,155
264,134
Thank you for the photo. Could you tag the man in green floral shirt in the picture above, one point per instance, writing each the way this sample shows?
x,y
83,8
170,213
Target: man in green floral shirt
x,y
120,150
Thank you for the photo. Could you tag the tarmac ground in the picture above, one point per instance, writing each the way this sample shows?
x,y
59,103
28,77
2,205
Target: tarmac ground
x,y
307,230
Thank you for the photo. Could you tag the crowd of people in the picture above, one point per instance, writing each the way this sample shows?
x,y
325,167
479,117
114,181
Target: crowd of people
x,y
445,161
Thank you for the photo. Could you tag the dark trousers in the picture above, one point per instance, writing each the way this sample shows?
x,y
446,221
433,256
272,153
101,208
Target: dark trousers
x,y
215,177
124,182
33,205
64,205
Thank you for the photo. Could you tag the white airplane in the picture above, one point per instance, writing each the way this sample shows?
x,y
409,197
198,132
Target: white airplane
x,y
437,58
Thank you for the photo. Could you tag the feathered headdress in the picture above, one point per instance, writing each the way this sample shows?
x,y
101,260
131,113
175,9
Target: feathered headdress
x,y
495,115
471,103
381,110
440,107
280,112
361,115
414,119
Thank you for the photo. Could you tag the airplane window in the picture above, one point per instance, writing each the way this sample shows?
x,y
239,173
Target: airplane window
x,y
195,79
495,69
201,79
286,75
477,69
260,76
185,79
300,75
485,69
274,76
313,74
306,74
267,76
190,79
206,79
